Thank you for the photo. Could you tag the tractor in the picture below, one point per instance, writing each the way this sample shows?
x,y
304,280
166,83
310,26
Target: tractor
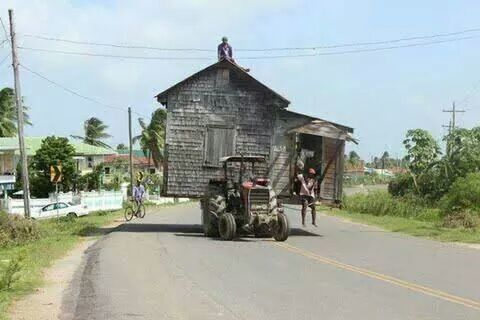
x,y
247,203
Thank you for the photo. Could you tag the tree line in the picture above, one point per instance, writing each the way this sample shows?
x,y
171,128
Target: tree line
x,y
57,149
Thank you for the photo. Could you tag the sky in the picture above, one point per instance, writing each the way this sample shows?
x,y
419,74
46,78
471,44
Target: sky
x,y
380,94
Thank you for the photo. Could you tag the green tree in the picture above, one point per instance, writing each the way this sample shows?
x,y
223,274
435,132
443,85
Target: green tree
x,y
121,146
95,132
152,138
8,113
53,151
422,153
422,150
353,158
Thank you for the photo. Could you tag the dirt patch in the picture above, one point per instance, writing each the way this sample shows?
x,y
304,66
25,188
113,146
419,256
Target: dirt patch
x,y
46,302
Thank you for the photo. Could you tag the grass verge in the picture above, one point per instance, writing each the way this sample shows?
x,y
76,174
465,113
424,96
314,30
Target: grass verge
x,y
412,226
56,239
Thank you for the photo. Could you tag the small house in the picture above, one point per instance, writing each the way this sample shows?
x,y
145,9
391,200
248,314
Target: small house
x,y
222,110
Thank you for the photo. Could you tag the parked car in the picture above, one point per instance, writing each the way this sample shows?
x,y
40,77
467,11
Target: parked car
x,y
60,209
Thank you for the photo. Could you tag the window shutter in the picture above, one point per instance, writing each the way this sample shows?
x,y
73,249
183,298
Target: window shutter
x,y
219,143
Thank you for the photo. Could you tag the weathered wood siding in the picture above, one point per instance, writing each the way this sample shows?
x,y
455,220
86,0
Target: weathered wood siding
x,y
333,150
217,97
283,151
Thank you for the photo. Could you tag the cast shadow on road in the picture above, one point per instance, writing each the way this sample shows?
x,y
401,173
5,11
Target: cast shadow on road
x,y
181,230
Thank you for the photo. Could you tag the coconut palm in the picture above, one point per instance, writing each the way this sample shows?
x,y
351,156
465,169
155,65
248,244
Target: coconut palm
x,y
94,133
8,113
152,138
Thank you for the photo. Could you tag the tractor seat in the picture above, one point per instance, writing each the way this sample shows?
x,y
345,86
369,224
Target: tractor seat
x,y
262,181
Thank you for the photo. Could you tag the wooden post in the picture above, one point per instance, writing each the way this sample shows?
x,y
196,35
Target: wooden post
x,y
131,150
19,105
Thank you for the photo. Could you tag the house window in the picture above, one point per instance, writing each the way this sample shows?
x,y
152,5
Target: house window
x,y
152,170
90,162
107,170
219,142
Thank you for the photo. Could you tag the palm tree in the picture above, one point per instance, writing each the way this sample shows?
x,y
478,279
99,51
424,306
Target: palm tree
x,y
152,138
8,113
94,133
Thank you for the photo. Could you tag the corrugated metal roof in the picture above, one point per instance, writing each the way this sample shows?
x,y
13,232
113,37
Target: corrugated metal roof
x,y
32,144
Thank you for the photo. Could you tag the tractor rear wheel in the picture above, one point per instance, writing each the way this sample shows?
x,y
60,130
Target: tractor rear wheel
x,y
282,229
227,226
213,206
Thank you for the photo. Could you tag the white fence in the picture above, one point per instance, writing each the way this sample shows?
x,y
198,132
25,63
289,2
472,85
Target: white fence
x,y
156,199
95,201
15,206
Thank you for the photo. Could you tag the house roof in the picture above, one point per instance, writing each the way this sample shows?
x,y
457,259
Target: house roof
x,y
224,64
32,144
324,129
135,152
137,160
341,126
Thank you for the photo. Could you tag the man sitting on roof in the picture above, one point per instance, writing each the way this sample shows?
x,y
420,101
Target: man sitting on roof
x,y
225,50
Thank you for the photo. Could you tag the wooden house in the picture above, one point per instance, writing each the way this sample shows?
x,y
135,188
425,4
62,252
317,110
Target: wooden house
x,y
222,110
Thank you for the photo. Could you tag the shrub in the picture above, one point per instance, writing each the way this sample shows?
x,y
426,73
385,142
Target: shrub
x,y
15,229
461,219
401,185
382,203
464,194
10,273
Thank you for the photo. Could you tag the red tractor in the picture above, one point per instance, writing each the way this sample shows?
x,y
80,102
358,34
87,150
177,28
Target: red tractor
x,y
247,203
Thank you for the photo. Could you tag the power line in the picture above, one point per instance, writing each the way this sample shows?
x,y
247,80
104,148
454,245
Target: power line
x,y
7,37
115,45
90,54
4,59
76,93
252,57
471,93
355,44
333,46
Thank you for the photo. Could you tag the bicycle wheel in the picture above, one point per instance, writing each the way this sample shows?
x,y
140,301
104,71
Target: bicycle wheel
x,y
141,211
129,213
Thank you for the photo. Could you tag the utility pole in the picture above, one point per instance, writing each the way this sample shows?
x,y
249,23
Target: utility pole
x,y
131,150
454,112
19,105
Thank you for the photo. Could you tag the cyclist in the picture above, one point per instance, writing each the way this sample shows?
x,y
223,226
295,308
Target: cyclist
x,y
138,193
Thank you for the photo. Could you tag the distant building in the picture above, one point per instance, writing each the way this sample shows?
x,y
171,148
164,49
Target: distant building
x,y
113,163
87,156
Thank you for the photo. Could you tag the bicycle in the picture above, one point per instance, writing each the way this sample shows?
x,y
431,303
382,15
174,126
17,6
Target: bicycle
x,y
134,209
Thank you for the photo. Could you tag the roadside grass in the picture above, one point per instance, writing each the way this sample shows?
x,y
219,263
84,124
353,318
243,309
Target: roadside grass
x,y
427,227
56,239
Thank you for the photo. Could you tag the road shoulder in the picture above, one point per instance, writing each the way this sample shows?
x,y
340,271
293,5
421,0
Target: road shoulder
x,y
416,228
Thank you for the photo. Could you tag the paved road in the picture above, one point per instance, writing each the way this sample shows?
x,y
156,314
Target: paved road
x,y
162,267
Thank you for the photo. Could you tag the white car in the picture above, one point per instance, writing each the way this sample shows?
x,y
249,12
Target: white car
x,y
60,209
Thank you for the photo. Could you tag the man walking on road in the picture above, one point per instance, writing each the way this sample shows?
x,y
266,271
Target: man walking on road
x,y
307,194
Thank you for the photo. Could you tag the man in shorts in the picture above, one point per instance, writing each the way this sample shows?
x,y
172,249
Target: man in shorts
x,y
307,194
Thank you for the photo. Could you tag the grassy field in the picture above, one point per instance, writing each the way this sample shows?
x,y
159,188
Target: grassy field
x,y
57,238
411,226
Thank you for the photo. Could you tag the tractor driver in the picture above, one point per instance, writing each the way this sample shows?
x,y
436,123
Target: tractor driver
x,y
307,194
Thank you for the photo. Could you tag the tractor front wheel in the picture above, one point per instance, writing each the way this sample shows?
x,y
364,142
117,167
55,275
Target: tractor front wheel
x,y
227,226
282,229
